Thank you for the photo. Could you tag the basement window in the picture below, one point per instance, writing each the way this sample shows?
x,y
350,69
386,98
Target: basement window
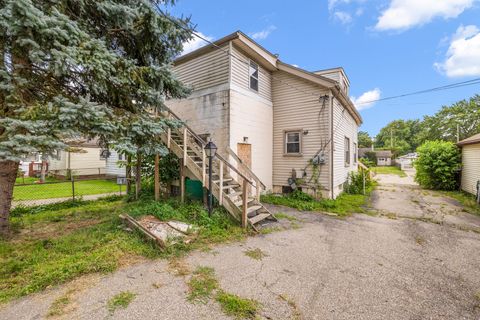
x,y
293,142
253,76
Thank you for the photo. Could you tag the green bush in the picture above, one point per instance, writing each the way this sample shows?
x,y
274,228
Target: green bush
x,y
437,165
367,162
354,183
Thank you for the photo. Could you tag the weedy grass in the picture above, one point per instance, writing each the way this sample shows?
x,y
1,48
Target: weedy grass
x,y
237,307
256,254
58,243
58,306
389,170
281,215
202,284
343,205
467,200
121,300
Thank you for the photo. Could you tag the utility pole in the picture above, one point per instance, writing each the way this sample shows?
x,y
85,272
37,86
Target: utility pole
x,y
391,138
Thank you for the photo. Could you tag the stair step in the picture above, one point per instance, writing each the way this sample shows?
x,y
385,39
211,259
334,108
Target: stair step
x,y
228,186
224,180
234,194
253,208
259,217
239,203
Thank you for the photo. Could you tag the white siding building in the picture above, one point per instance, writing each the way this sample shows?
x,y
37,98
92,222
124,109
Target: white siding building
x,y
470,163
279,119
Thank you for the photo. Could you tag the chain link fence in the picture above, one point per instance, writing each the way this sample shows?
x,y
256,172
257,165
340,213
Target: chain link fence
x,y
64,185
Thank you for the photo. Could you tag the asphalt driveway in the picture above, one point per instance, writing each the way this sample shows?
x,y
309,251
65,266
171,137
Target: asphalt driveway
x,y
362,267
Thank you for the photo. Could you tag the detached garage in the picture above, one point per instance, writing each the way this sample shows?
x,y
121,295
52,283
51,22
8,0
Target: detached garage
x,y
470,163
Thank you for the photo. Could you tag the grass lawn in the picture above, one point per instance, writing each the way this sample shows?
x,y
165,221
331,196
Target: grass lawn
x,y
389,170
56,243
30,180
64,189
343,205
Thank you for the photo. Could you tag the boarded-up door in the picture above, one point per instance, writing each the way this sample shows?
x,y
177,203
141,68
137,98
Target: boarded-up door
x,y
244,152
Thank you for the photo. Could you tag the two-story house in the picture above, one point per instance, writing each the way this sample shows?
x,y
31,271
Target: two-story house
x,y
292,127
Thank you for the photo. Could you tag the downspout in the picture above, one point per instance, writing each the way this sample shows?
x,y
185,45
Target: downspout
x,y
331,147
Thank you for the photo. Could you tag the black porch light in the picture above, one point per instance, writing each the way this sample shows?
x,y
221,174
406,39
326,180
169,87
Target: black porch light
x,y
210,151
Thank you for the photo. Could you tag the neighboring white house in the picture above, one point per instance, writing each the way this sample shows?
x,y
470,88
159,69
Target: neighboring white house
x,y
470,163
278,118
406,161
113,168
384,158
84,159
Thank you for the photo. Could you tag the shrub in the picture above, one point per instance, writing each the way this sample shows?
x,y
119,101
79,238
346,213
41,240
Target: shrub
x,y
437,165
367,162
354,183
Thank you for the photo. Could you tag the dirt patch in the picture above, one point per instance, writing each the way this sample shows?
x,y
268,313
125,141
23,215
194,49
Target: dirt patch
x,y
53,229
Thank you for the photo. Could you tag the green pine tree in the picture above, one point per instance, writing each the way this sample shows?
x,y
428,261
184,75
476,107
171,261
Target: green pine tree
x,y
82,68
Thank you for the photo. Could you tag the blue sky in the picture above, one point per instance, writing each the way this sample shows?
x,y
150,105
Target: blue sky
x,y
386,47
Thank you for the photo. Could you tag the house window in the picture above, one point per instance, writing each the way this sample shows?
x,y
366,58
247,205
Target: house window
x,y
58,155
293,142
253,76
355,153
120,157
347,151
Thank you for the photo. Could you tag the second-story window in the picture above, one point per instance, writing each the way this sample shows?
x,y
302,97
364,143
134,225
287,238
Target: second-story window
x,y
253,76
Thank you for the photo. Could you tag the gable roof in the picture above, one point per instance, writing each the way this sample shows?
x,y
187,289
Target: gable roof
x,y
383,154
470,140
272,63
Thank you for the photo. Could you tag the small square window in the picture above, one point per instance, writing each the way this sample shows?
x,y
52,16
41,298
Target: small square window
x,y
292,142
253,72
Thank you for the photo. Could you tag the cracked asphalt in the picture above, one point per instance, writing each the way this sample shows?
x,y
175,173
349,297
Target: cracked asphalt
x,y
361,267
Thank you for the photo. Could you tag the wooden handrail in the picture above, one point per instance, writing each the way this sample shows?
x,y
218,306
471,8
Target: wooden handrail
x,y
203,143
244,166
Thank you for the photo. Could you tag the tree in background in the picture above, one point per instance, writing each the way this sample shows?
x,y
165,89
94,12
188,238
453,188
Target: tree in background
x,y
400,136
72,69
364,140
462,117
437,165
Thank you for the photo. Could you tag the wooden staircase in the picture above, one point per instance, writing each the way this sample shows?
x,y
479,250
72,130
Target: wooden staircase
x,y
234,184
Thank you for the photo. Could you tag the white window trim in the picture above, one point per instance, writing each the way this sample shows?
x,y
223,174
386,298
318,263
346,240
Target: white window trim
x,y
346,156
300,141
355,152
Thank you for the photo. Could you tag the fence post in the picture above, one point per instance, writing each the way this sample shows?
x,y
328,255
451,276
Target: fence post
x,y
363,175
73,185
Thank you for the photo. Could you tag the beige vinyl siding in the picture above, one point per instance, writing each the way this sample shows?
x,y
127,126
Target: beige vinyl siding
x,y
344,126
336,75
89,159
240,75
471,167
294,110
251,117
208,70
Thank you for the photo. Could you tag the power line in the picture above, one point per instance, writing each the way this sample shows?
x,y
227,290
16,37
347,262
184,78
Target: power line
x,y
227,52
441,88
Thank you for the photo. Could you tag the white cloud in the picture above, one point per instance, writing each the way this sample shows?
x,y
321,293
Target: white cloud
x,y
343,16
463,55
195,43
405,14
367,99
333,3
260,35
